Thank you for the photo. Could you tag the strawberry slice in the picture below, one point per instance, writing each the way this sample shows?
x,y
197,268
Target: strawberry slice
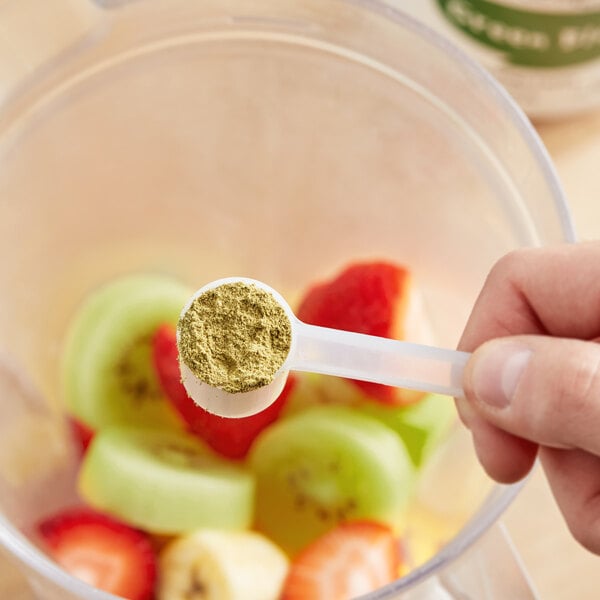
x,y
353,559
101,551
371,298
82,434
229,437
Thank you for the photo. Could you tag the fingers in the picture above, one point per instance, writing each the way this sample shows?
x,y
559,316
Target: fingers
x,y
505,457
574,477
532,386
553,291
545,390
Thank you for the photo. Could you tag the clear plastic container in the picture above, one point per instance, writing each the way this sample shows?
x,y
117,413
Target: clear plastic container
x,y
203,139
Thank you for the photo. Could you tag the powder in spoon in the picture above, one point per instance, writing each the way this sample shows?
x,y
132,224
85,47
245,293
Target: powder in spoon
x,y
234,337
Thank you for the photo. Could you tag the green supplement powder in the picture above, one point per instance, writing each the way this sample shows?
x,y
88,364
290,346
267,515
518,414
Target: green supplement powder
x,y
234,337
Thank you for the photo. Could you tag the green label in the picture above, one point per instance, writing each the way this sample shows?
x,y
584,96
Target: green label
x,y
537,39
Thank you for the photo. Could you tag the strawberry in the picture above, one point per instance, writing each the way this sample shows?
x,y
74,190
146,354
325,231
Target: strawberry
x,y
82,434
101,551
370,298
353,559
229,437
165,359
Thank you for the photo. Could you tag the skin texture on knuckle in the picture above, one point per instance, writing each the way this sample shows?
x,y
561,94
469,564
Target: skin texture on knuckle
x,y
548,291
514,267
502,308
505,269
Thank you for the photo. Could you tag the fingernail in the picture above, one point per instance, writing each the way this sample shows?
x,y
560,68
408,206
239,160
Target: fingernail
x,y
496,373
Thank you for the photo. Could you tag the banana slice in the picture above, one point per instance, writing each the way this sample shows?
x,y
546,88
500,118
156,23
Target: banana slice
x,y
222,565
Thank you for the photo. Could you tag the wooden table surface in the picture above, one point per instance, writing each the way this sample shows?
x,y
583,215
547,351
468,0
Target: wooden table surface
x,y
559,568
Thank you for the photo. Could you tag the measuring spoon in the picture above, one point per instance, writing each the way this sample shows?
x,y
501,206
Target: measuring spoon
x,y
333,352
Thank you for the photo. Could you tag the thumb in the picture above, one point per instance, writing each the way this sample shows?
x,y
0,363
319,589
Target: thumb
x,y
543,389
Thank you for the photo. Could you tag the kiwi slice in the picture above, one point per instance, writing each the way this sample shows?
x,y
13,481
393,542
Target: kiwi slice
x,y
422,425
108,374
164,482
327,465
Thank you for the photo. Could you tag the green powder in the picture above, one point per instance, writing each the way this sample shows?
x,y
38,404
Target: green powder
x,y
235,337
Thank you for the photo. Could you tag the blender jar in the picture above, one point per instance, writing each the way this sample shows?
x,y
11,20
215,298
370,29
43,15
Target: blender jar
x,y
274,139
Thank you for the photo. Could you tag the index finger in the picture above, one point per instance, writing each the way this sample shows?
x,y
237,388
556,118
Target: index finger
x,y
548,291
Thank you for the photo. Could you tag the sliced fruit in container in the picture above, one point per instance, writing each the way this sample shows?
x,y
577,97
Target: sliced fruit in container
x,y
375,298
108,374
229,437
324,466
422,426
102,551
165,482
222,565
313,389
353,559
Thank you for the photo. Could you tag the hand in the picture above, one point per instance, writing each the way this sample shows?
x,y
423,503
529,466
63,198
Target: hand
x,y
532,386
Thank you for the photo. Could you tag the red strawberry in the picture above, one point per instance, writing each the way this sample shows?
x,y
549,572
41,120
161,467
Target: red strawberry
x,y
81,433
369,298
230,437
103,552
351,560
165,358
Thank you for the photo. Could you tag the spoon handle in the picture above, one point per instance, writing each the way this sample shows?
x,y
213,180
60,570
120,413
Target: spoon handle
x,y
376,359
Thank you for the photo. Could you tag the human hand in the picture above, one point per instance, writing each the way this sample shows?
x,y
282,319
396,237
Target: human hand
x,y
532,386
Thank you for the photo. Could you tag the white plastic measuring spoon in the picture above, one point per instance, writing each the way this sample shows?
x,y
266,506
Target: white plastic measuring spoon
x,y
333,352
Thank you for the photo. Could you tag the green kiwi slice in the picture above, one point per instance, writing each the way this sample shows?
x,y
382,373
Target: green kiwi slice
x,y
108,375
327,465
422,425
165,482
